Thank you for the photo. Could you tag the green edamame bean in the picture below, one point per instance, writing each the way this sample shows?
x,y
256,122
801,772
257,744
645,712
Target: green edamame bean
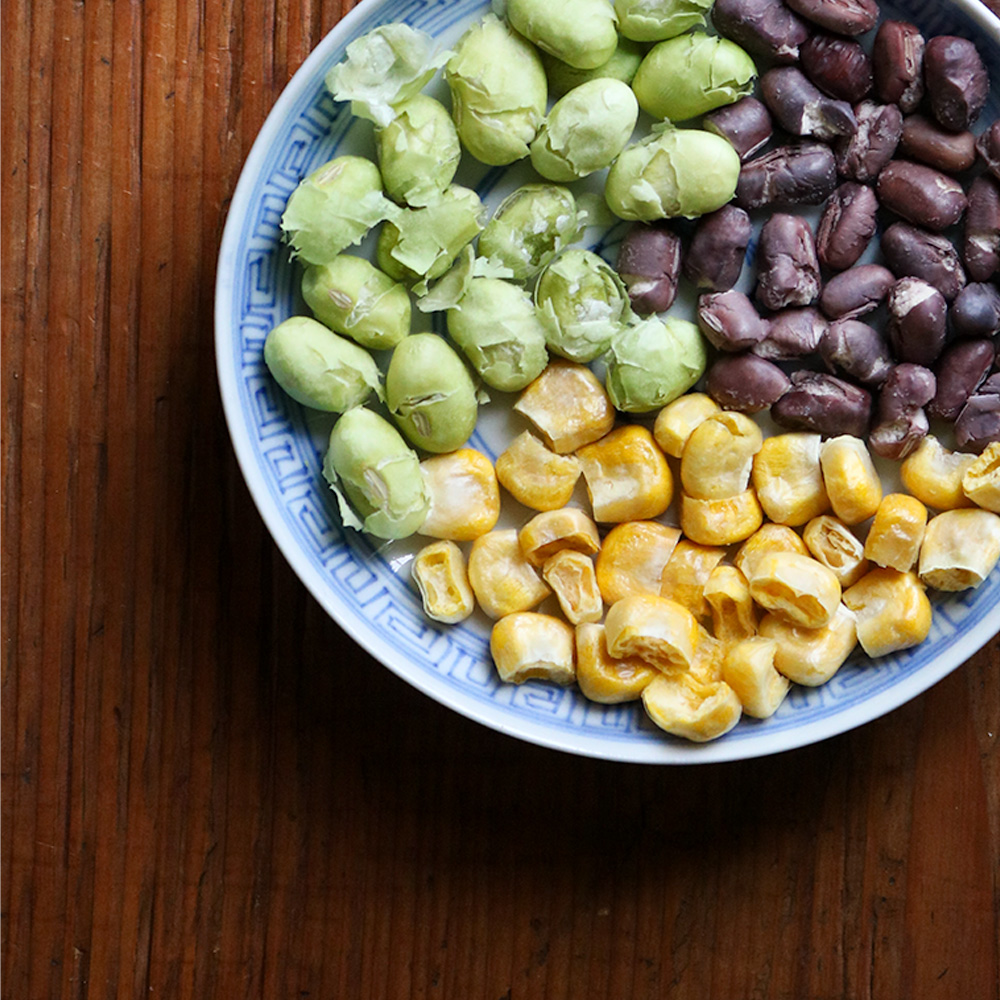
x,y
655,20
579,32
622,66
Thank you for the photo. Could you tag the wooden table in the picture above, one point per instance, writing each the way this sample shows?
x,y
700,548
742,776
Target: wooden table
x,y
209,792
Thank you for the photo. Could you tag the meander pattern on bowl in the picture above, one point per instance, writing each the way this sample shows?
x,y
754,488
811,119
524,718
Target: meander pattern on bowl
x,y
365,586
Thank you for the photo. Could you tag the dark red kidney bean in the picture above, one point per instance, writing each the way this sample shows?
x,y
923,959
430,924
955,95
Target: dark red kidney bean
x,y
842,17
730,321
918,317
787,265
979,422
797,174
763,27
649,262
838,66
923,139
792,333
856,349
897,60
801,108
921,195
824,404
745,383
861,156
746,124
714,256
976,310
900,422
956,81
981,236
988,147
960,371
913,252
857,291
846,225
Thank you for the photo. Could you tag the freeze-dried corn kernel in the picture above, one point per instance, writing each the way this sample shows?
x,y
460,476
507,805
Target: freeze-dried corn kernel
x,y
896,532
632,558
502,579
659,631
535,475
627,475
570,574
960,549
675,422
708,658
811,656
439,572
749,670
568,406
851,480
721,522
551,530
981,481
833,544
530,646
727,593
768,537
686,573
789,480
796,588
600,676
934,474
892,611
718,456
685,707
465,496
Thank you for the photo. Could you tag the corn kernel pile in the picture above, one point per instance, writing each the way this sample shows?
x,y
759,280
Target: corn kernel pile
x,y
720,616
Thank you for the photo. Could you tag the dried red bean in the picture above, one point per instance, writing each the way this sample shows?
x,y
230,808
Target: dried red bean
x,y
856,291
792,333
843,17
917,321
921,195
649,262
746,124
797,174
763,27
846,225
976,310
801,108
856,349
981,236
838,66
861,156
913,252
824,404
925,140
988,147
901,423
956,81
730,321
979,422
745,383
787,265
715,255
897,59
960,371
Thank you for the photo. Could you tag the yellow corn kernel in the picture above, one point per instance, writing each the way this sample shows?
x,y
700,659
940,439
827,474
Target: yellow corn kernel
x,y
851,480
709,655
657,630
981,481
627,475
535,475
721,522
767,538
892,611
439,572
675,422
551,530
833,544
632,558
960,549
789,480
600,676
718,456
749,670
502,579
896,532
568,406
934,474
685,707
727,593
570,574
811,656
686,573
529,646
796,588
465,495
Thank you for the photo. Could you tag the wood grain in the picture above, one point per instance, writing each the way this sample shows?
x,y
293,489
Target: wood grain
x,y
209,791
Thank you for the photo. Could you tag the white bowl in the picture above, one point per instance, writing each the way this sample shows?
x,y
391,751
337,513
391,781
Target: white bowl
x,y
365,587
